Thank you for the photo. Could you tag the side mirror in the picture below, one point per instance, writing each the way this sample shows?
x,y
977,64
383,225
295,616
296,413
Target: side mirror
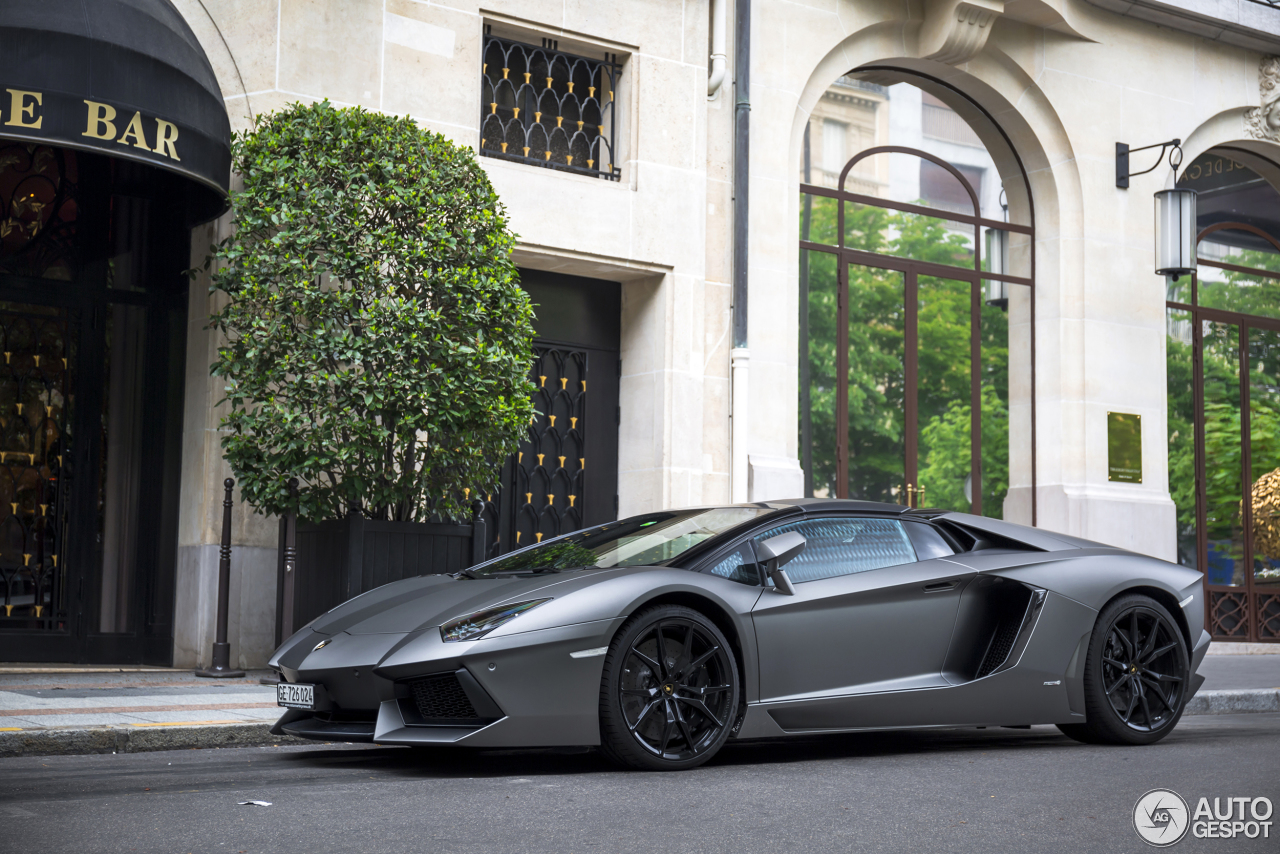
x,y
776,551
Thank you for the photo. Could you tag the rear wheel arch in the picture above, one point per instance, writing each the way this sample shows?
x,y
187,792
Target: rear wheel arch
x,y
1165,598
1133,672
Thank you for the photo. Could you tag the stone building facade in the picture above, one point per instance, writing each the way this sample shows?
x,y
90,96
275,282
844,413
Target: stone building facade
x,y
1026,99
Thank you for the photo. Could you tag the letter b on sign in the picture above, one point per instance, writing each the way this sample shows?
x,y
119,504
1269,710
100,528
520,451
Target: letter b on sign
x,y
100,123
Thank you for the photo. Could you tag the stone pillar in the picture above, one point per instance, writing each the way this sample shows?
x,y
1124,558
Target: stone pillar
x,y
251,621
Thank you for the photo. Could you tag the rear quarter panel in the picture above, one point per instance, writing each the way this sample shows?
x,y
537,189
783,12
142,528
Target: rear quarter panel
x,y
1095,578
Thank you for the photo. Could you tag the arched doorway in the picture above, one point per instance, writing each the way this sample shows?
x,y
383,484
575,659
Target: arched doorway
x,y
92,322
109,154
1223,369
916,327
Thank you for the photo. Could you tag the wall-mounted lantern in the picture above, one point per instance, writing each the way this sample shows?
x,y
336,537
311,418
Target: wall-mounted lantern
x,y
1175,211
1122,159
997,250
1175,233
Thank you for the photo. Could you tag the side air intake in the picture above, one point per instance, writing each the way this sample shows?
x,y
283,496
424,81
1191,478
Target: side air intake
x,y
995,622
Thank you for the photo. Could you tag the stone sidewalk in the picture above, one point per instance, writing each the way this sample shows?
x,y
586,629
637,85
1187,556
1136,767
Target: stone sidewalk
x,y
45,710
50,710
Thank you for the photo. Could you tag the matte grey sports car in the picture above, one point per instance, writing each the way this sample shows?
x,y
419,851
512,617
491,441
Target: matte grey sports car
x,y
661,636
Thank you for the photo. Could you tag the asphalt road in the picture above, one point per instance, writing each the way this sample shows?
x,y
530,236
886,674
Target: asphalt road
x,y
984,791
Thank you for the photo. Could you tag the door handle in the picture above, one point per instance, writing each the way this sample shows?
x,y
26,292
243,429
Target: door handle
x,y
939,586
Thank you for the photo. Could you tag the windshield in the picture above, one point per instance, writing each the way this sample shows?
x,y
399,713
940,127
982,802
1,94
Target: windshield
x,y
638,541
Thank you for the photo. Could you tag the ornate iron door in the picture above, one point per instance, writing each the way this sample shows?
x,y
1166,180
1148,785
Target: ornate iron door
x,y
551,462
564,476
92,346
37,345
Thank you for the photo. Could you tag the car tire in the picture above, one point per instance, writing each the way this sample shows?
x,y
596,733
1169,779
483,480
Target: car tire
x,y
1136,675
670,691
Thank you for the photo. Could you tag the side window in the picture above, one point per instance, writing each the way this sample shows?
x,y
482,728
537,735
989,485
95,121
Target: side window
x,y
738,566
928,542
843,546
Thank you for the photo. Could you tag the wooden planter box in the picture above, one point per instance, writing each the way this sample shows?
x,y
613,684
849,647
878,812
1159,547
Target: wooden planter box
x,y
339,559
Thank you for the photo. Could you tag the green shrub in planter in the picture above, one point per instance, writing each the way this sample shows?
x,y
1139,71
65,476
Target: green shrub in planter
x,y
377,340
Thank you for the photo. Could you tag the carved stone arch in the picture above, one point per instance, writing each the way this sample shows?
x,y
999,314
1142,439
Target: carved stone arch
x,y
990,86
1224,131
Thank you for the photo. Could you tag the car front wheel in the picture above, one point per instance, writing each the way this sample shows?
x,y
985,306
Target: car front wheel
x,y
670,691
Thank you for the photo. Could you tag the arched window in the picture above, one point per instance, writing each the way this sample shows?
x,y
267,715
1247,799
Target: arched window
x,y
916,306
1223,370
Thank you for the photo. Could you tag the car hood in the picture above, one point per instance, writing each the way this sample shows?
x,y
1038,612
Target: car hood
x,y
425,602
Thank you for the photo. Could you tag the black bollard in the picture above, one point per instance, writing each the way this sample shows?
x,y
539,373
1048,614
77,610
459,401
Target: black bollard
x,y
290,560
288,557
221,668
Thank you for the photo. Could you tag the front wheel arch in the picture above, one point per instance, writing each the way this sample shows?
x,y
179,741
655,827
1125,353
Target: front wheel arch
x,y
684,678
714,612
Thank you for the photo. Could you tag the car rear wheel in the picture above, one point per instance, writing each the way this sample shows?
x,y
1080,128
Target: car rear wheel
x,y
670,691
1135,676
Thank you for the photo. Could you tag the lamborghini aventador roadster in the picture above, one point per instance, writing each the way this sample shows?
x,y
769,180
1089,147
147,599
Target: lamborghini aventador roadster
x,y
660,637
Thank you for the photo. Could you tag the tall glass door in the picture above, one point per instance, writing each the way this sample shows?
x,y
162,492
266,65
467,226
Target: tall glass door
x,y
913,389
871,373
1263,443
1223,372
1237,490
913,295
944,468
93,319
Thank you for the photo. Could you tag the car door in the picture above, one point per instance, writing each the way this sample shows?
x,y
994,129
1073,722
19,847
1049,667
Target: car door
x,y
869,615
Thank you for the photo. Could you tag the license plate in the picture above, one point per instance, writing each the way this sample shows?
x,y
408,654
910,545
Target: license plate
x,y
296,695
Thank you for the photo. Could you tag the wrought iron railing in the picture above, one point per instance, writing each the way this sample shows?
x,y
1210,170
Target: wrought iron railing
x,y
1274,4
542,106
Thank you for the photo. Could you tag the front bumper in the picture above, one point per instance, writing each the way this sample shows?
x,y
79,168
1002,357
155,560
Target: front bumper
x,y
525,689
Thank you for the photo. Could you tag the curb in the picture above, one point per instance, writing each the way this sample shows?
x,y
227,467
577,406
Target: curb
x,y
53,742
1234,702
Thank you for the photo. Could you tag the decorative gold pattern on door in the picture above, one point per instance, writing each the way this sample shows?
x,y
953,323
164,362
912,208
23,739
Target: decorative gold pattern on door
x,y
35,443
548,471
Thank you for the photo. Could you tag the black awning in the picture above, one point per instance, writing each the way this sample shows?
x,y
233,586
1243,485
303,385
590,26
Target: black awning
x,y
125,78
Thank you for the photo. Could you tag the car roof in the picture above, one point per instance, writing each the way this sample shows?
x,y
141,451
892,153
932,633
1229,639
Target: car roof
x,y
839,505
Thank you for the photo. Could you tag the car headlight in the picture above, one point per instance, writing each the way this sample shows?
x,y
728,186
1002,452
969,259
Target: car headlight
x,y
480,623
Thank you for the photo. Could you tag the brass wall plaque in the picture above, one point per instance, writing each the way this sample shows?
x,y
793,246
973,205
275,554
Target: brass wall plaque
x,y
1124,447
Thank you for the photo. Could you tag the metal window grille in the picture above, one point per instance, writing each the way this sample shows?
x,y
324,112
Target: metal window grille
x,y
548,108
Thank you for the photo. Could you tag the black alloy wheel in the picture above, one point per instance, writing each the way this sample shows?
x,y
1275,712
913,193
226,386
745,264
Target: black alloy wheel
x,y
669,695
1136,675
